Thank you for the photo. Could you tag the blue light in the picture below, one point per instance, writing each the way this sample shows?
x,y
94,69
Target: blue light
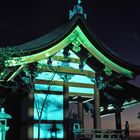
x,y
81,90
46,133
46,87
53,105
81,79
47,76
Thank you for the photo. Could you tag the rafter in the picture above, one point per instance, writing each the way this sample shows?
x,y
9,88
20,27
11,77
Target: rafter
x,y
70,59
60,83
67,70
70,93
16,73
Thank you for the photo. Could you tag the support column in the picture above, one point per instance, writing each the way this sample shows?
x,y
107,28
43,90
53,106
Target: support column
x,y
66,110
31,110
81,113
118,119
97,121
30,115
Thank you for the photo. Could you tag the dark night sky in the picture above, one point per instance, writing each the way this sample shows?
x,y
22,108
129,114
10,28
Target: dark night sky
x,y
115,22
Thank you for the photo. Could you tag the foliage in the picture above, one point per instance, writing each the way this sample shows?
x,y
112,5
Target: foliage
x,y
7,54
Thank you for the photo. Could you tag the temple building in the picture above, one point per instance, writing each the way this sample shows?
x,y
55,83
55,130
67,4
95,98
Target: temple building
x,y
65,70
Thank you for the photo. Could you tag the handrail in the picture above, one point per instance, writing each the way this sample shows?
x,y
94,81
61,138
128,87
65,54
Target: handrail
x,y
111,134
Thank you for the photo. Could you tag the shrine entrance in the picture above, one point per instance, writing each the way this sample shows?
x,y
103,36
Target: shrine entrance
x,y
65,67
55,89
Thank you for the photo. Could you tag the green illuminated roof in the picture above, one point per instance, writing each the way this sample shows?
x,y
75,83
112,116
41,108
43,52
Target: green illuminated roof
x,y
74,31
75,36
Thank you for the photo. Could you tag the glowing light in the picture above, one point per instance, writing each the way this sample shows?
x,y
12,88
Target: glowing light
x,y
65,42
53,105
81,79
48,87
102,58
87,100
46,133
30,132
47,54
75,97
47,76
81,90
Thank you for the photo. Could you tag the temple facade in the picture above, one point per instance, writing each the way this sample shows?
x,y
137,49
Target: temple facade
x,y
49,85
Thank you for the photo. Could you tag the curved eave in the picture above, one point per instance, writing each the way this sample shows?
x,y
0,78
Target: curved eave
x,y
76,30
100,56
102,48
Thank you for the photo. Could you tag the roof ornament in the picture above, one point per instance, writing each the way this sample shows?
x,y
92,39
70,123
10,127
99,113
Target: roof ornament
x,y
108,71
101,83
78,9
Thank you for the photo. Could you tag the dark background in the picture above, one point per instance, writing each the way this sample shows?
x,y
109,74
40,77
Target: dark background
x,y
116,23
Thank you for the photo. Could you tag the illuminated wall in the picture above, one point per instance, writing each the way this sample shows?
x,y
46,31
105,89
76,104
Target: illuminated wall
x,y
53,105
53,110
45,131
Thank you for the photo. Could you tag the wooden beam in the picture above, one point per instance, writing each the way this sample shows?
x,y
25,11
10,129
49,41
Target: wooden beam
x,y
80,94
70,59
67,70
47,92
16,73
81,113
5,73
96,101
66,110
60,83
59,93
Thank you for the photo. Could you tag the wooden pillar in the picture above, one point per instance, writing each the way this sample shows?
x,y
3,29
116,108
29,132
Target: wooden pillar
x,y
66,110
28,119
30,116
97,121
81,113
118,119
30,111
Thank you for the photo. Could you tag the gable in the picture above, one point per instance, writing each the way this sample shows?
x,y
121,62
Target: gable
x,y
76,38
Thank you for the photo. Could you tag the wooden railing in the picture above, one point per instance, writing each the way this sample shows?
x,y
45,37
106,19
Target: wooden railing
x,y
100,134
